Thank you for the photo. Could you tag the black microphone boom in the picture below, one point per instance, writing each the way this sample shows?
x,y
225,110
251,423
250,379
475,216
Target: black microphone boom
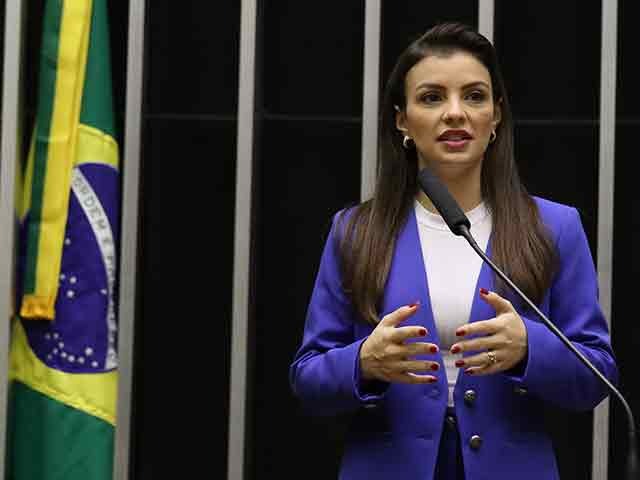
x,y
459,224
451,213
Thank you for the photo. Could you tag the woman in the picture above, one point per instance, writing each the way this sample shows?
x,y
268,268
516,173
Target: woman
x,y
445,376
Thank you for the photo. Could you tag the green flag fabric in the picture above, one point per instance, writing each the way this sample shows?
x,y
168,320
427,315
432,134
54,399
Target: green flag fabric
x,y
63,359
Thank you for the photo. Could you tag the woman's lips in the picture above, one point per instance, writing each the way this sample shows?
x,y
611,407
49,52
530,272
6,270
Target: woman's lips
x,y
456,144
455,139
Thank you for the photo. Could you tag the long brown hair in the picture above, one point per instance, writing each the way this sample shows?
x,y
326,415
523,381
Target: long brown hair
x,y
520,244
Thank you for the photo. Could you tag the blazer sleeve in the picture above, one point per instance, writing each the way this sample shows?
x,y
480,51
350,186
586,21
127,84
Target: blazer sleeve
x,y
325,373
553,372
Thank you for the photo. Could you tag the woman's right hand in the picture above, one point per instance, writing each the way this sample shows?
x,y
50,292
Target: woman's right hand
x,y
385,355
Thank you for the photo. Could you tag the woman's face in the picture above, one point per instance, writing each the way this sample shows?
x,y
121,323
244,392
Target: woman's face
x,y
450,111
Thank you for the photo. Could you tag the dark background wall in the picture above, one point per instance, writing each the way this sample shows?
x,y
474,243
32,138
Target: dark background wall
x,y
189,141
307,166
626,260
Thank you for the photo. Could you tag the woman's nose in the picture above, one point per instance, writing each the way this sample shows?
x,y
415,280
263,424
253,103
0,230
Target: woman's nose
x,y
453,111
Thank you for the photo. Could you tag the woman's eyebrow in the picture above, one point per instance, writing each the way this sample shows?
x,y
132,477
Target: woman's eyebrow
x,y
437,86
475,84
427,85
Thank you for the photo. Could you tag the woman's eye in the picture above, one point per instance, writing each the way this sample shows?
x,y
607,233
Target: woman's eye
x,y
431,97
477,96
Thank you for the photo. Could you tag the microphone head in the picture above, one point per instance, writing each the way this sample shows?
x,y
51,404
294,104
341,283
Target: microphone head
x,y
444,202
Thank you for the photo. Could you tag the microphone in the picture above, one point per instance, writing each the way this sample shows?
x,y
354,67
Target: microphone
x,y
459,224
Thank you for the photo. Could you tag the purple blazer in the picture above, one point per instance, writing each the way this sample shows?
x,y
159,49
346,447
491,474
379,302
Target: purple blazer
x,y
396,428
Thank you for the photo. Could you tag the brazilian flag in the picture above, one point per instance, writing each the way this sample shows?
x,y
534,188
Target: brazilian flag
x,y
63,359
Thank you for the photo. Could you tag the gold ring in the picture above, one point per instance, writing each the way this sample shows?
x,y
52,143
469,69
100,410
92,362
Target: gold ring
x,y
492,357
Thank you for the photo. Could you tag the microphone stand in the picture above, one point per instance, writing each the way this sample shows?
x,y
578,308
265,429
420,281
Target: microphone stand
x,y
633,472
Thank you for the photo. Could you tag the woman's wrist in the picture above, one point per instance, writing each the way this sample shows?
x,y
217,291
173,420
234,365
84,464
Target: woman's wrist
x,y
365,374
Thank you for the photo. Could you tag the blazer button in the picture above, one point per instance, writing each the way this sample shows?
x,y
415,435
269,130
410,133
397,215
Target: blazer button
x,y
470,397
520,390
475,441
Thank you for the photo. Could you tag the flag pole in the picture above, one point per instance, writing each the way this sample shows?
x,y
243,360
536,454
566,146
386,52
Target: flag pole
x,y
9,159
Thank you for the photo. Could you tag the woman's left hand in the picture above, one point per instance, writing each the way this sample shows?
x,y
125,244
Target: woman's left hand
x,y
502,341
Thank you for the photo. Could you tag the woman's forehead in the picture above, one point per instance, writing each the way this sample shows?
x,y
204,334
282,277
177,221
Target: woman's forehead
x,y
455,69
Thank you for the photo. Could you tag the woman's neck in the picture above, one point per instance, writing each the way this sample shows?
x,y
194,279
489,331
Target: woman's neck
x,y
465,189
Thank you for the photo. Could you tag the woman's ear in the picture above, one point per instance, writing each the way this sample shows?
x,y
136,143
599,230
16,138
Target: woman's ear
x,y
497,113
401,120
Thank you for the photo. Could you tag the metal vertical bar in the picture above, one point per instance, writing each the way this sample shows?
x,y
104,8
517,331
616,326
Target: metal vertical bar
x,y
370,96
486,10
605,210
10,152
242,246
129,236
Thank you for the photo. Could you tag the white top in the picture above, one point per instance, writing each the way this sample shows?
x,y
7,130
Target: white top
x,y
452,273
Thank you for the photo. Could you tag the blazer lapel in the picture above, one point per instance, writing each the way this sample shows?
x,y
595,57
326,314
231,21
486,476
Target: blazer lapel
x,y
407,280
481,310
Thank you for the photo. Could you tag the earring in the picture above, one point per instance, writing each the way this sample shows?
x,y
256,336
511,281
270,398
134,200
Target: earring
x,y
405,142
492,137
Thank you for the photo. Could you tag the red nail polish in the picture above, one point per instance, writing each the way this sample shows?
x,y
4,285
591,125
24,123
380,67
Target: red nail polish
x,y
459,363
484,291
432,380
423,332
468,371
433,349
415,304
460,333
455,349
435,366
